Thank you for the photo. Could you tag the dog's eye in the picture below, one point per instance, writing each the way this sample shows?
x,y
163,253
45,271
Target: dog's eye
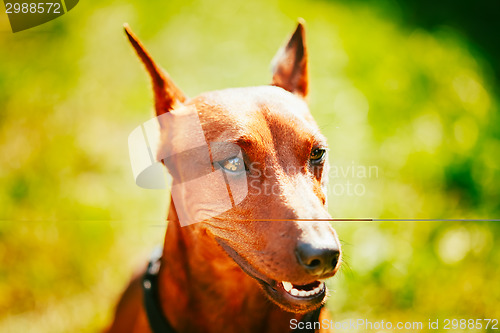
x,y
317,155
233,164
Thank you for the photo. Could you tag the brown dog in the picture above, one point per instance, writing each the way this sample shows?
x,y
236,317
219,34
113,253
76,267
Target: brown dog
x,y
259,265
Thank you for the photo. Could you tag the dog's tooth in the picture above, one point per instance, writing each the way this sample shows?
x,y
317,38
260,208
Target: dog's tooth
x,y
302,293
309,293
294,292
287,285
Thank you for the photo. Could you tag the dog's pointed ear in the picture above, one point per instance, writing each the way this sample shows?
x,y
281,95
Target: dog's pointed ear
x,y
167,94
289,66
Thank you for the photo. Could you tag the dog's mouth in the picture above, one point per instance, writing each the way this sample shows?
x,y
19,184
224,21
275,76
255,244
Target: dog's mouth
x,y
291,297
295,297
303,291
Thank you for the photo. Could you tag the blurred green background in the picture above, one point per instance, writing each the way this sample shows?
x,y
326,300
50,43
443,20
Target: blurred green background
x,y
410,92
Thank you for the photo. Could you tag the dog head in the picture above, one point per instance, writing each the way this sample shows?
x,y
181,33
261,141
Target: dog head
x,y
249,168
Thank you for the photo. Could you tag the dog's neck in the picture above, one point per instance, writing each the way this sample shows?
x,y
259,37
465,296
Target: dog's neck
x,y
202,289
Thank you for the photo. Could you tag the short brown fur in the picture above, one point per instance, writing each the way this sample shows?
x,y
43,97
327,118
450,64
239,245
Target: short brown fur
x,y
202,288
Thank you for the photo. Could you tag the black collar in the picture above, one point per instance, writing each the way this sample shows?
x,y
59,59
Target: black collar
x,y
157,320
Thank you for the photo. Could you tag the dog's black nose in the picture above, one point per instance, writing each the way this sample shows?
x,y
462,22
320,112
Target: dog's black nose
x,y
318,260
